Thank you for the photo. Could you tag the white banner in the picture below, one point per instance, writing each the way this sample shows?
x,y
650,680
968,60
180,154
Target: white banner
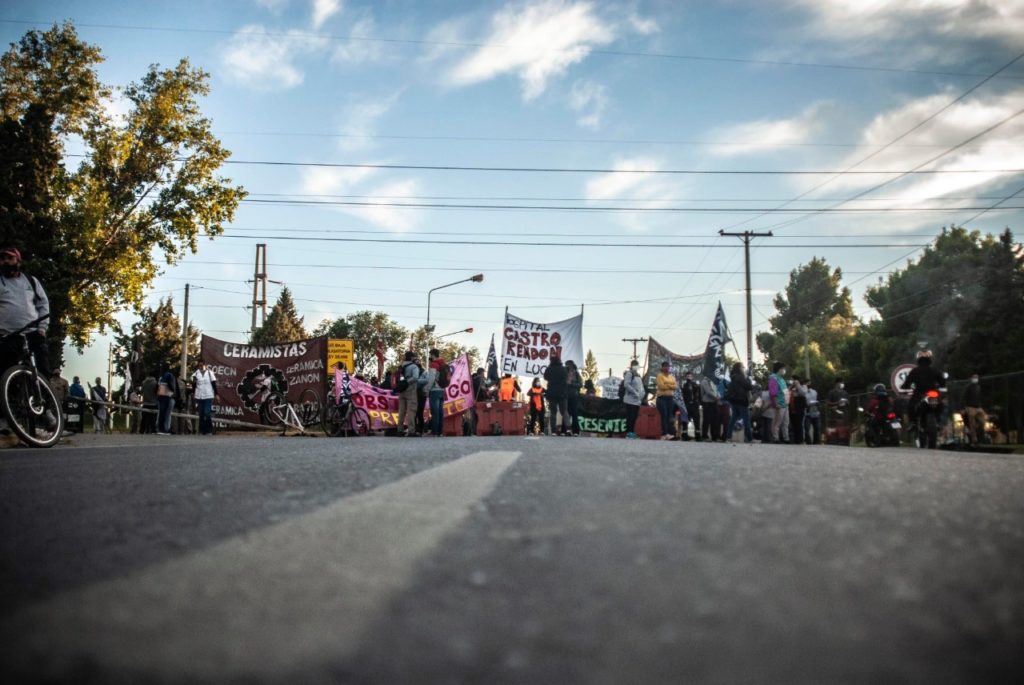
x,y
527,347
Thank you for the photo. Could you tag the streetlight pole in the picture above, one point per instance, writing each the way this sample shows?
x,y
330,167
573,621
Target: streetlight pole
x,y
446,335
476,279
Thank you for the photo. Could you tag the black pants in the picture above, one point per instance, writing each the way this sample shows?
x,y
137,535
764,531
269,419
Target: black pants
x,y
421,403
574,411
148,422
709,420
796,427
813,430
694,411
10,352
632,411
536,418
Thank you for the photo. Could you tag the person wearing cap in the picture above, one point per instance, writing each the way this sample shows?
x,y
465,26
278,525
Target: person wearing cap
x,y
22,301
665,388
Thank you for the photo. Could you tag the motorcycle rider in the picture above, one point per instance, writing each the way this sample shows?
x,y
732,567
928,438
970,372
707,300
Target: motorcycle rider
x,y
922,379
878,409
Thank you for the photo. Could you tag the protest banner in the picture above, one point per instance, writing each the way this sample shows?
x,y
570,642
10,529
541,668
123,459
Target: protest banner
x,y
382,406
247,374
527,347
602,415
679,364
610,387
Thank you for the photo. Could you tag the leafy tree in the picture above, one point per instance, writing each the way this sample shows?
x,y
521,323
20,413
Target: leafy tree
x,y
156,338
814,319
283,322
144,190
963,298
449,348
590,370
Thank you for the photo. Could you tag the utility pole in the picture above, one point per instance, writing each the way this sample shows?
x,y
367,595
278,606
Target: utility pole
x,y
110,383
745,236
807,357
259,285
184,338
634,341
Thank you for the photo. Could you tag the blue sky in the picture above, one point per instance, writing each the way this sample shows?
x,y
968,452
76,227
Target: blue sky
x,y
650,86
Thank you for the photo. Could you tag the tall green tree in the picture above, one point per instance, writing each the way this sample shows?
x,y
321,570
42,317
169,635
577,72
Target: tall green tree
x,y
590,370
146,187
153,340
283,323
813,321
449,348
963,299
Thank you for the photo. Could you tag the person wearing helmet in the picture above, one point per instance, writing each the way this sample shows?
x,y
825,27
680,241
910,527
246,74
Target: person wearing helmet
x,y
22,301
922,379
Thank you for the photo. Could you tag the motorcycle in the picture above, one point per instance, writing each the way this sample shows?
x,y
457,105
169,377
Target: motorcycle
x,y
926,420
883,431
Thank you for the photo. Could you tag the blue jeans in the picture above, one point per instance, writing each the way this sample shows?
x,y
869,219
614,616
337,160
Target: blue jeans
x,y
166,407
205,408
436,410
741,412
666,409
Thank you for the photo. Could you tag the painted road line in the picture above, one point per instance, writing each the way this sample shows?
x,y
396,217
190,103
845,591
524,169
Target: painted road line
x,y
294,594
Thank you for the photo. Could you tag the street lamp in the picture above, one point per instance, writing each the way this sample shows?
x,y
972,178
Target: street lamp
x,y
464,330
476,279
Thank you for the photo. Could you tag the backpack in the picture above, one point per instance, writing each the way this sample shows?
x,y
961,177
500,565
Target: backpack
x,y
444,376
402,383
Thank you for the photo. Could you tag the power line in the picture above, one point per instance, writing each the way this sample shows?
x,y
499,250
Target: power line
x,y
410,241
506,198
477,45
545,234
760,211
584,170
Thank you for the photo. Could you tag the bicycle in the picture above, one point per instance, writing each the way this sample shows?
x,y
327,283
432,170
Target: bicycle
x,y
342,418
276,410
28,403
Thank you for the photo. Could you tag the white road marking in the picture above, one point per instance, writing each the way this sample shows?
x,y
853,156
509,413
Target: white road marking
x,y
297,593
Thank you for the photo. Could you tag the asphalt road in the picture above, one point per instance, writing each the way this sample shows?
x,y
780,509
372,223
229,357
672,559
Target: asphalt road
x,y
493,560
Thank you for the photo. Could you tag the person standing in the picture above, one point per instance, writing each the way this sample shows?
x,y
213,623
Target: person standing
x,y
76,390
98,395
709,408
838,393
61,389
150,404
165,399
632,396
589,389
535,396
797,411
813,435
406,385
691,398
974,414
738,395
575,383
777,397
204,383
135,415
508,388
665,387
558,397
437,380
22,301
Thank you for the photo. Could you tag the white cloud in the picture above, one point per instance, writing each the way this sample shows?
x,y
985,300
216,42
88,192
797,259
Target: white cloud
x,y
589,99
360,51
324,10
359,120
999,149
643,26
255,59
343,181
763,135
275,6
855,19
629,181
536,42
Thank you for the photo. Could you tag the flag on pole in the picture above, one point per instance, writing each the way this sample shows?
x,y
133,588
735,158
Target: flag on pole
x,y
714,353
492,363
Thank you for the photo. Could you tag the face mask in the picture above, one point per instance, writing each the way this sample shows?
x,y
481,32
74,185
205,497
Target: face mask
x,y
634,368
8,269
974,380
782,372
536,384
842,385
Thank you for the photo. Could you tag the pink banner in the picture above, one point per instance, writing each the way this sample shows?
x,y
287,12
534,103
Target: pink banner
x,y
382,406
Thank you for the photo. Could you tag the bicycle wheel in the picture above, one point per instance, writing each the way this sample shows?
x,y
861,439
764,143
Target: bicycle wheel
x,y
308,408
274,409
30,407
359,421
334,423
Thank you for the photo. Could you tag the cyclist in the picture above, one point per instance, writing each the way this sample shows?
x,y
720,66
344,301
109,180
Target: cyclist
x,y
22,301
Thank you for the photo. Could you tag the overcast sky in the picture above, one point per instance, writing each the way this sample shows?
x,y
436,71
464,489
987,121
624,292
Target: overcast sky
x,y
606,88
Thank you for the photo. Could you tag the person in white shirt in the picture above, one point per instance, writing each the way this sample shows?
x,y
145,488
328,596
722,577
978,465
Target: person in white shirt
x,y
205,390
